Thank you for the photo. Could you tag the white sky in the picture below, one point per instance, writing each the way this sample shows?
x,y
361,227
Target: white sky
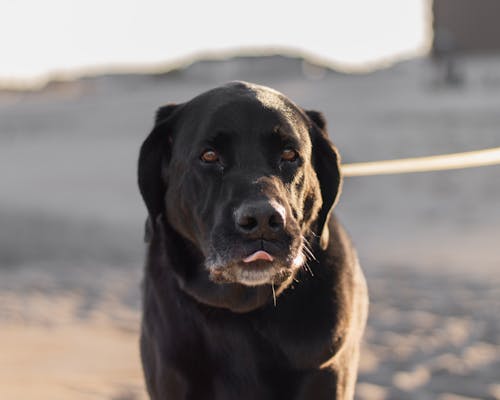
x,y
38,37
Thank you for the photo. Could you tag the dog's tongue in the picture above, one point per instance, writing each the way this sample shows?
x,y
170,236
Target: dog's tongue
x,y
258,255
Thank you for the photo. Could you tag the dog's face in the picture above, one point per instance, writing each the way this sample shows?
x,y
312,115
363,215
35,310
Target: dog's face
x,y
246,176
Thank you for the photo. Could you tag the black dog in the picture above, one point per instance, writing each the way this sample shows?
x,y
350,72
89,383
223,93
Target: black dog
x,y
251,290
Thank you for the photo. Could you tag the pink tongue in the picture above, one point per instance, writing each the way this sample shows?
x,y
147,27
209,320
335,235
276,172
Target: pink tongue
x,y
258,255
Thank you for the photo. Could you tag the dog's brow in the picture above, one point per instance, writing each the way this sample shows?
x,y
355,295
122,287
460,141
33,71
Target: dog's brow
x,y
218,138
285,136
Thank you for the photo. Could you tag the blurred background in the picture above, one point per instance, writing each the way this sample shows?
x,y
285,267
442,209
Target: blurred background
x,y
79,85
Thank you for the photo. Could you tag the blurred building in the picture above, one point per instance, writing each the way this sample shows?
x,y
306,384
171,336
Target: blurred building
x,y
466,26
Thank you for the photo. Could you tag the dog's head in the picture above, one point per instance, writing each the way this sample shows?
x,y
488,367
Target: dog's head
x,y
245,176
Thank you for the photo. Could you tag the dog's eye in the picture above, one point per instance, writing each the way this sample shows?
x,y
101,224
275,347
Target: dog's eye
x,y
210,156
289,155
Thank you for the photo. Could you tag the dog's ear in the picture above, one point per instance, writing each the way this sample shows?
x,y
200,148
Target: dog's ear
x,y
154,153
326,162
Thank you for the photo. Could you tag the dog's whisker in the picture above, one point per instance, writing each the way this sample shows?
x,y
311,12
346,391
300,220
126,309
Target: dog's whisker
x,y
274,294
313,234
305,239
307,268
307,249
309,254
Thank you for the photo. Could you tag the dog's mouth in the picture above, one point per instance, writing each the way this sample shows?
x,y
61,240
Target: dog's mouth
x,y
256,268
258,255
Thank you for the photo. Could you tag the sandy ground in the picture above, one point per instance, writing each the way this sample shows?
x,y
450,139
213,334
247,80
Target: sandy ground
x,y
56,362
429,336
71,227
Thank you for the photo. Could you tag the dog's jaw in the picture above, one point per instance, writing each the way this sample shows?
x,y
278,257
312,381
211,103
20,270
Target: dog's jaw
x,y
254,277
259,272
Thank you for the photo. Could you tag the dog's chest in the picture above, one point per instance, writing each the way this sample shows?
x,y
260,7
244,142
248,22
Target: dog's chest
x,y
240,363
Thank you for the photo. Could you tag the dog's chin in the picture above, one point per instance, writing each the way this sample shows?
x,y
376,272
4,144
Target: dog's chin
x,y
256,273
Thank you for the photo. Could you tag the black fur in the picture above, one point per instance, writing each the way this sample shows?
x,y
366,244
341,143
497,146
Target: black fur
x,y
215,326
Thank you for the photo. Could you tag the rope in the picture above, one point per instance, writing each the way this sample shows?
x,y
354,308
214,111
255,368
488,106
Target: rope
x,y
469,159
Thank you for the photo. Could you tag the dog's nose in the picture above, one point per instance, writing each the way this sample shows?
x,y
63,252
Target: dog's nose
x,y
260,219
